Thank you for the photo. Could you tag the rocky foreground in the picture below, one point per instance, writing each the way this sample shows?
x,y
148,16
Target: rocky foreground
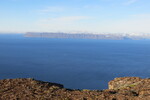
x,y
126,88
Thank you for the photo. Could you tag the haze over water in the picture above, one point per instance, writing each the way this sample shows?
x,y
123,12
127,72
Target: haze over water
x,y
75,63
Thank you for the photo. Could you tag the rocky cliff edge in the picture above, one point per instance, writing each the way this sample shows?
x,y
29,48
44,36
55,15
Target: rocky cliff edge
x,y
125,88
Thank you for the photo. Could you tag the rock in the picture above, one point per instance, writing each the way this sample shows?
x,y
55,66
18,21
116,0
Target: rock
x,y
125,88
123,82
145,92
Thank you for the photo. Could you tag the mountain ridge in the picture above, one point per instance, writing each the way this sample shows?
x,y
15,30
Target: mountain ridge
x,y
86,35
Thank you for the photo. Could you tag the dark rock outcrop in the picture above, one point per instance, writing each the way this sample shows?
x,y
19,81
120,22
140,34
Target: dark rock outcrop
x,y
126,88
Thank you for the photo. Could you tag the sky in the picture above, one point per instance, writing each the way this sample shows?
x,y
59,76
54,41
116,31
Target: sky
x,y
111,16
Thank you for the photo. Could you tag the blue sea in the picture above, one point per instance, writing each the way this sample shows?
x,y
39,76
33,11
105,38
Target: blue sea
x,y
75,63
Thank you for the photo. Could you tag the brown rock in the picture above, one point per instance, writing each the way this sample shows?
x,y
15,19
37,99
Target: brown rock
x,y
126,88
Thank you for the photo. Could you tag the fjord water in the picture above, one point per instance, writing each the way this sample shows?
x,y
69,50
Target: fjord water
x,y
75,63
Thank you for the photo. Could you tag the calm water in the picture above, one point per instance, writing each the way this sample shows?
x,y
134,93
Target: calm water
x,y
75,63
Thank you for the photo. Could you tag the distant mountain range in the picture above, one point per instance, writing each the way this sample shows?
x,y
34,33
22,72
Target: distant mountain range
x,y
86,35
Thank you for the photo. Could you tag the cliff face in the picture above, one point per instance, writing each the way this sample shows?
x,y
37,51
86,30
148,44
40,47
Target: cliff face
x,y
79,35
74,36
126,88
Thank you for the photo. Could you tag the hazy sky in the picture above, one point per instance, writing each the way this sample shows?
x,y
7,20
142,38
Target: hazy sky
x,y
75,15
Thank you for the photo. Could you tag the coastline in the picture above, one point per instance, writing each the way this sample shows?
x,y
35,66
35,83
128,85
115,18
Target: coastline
x,y
124,88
